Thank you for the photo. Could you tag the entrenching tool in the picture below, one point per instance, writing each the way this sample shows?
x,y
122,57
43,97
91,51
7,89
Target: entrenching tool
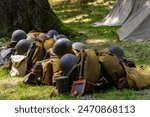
x,y
78,87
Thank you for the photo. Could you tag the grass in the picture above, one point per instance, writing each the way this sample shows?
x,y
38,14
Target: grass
x,y
98,38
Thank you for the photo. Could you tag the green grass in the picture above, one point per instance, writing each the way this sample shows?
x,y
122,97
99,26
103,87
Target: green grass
x,y
95,38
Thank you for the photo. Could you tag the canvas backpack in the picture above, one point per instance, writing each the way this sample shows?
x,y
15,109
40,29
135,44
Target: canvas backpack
x,y
91,67
91,70
5,55
50,70
112,69
48,43
35,53
19,65
137,77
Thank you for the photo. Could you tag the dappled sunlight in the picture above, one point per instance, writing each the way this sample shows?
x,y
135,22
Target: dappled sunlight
x,y
96,41
108,3
78,18
9,82
67,10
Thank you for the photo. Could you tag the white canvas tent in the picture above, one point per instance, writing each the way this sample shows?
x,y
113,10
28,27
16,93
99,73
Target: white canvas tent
x,y
133,15
137,27
121,12
117,15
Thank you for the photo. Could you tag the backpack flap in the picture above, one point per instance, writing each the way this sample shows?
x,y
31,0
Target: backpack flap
x,y
19,65
137,77
47,72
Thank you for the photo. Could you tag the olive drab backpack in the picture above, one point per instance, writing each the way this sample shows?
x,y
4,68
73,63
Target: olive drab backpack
x,y
91,69
50,71
19,65
112,69
48,43
137,77
91,66
35,53
42,71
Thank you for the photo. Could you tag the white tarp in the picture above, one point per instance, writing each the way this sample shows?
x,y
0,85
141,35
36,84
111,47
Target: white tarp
x,y
117,15
137,27
133,15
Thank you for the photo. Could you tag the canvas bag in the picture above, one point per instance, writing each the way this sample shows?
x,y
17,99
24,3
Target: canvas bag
x,y
91,70
91,66
137,77
50,70
47,72
56,69
112,69
48,43
19,65
35,53
5,55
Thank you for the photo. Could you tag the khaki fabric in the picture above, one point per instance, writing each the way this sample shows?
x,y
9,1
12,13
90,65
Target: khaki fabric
x,y
47,72
19,65
112,70
38,53
48,43
50,70
92,68
56,69
32,36
35,53
137,78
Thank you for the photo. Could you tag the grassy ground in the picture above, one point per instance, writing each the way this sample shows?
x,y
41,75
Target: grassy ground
x,y
98,38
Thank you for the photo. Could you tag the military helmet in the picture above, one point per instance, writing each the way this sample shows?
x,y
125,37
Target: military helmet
x,y
61,47
57,37
22,46
52,33
67,62
42,36
78,46
116,50
17,35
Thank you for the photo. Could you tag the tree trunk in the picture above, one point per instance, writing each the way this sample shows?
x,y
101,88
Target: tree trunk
x,y
29,15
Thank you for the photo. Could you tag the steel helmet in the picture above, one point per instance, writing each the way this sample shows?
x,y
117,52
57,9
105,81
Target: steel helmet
x,y
57,37
22,46
61,47
78,46
52,33
67,62
17,35
116,50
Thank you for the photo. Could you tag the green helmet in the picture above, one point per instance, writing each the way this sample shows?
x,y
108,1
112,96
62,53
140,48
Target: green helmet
x,y
52,33
67,62
78,46
61,47
18,35
42,36
116,50
22,46
57,37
